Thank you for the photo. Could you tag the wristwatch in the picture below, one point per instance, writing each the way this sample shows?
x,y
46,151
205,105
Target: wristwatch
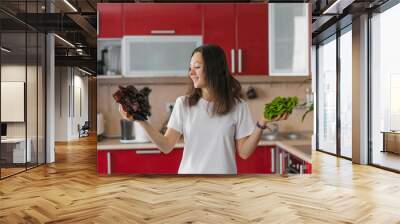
x,y
260,126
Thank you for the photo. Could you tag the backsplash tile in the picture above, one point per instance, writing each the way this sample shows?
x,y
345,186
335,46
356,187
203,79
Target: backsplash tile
x,y
162,94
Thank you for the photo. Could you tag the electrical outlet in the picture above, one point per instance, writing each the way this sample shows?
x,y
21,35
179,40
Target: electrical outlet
x,y
169,106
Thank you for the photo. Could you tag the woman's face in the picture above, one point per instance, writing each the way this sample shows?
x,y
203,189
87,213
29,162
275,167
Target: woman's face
x,y
196,71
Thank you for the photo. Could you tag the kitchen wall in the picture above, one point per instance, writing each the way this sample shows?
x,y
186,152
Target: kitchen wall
x,y
163,93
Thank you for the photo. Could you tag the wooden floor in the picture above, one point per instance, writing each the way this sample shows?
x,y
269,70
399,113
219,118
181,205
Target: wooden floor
x,y
70,191
10,171
5,172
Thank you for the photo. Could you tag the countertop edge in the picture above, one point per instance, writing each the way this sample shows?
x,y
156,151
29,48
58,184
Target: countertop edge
x,y
137,146
293,150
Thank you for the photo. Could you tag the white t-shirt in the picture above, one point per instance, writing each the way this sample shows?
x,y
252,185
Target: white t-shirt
x,y
209,146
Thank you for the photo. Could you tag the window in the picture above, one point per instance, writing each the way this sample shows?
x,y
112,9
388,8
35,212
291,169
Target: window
x,y
385,84
22,77
327,95
346,92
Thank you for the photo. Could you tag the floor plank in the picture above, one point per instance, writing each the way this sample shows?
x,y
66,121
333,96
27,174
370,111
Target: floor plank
x,y
70,191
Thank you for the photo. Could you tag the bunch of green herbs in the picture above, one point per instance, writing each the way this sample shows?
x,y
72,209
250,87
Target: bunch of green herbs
x,y
279,106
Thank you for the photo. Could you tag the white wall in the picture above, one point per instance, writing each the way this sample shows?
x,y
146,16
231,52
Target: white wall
x,y
13,73
79,115
61,103
16,73
69,85
33,126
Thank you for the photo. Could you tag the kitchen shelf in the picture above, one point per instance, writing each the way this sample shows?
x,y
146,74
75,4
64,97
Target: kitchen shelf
x,y
243,79
119,79
109,76
258,79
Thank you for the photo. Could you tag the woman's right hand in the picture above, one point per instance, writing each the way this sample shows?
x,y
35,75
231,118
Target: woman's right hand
x,y
263,121
124,114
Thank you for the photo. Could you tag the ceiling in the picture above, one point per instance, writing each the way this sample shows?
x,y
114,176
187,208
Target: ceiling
x,y
77,27
331,15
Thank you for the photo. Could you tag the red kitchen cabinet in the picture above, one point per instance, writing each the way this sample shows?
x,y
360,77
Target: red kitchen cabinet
x,y
261,161
242,31
102,161
162,18
252,38
146,161
220,28
109,20
308,168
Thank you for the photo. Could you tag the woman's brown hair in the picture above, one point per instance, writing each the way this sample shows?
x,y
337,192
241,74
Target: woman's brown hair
x,y
225,89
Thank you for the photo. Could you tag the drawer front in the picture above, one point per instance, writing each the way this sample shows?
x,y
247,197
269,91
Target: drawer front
x,y
147,161
258,163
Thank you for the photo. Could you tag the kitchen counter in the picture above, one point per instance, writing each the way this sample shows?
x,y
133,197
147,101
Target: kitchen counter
x,y
115,144
301,148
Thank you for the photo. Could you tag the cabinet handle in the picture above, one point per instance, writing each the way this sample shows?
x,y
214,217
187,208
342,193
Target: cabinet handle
x,y
148,151
233,60
301,169
108,163
273,160
69,100
239,60
281,161
162,31
98,23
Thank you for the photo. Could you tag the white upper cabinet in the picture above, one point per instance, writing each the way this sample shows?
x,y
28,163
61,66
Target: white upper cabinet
x,y
289,39
155,56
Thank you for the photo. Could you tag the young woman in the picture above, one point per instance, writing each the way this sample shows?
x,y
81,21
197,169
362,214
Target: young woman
x,y
215,122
